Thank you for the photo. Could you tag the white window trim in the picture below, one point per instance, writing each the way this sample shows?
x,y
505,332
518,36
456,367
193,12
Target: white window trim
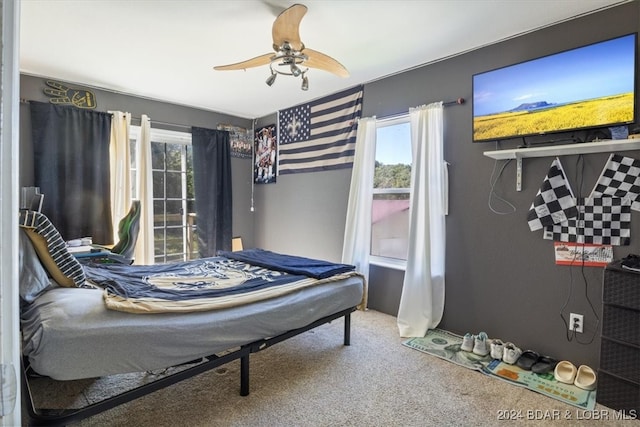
x,y
386,262
162,135
391,190
392,263
392,121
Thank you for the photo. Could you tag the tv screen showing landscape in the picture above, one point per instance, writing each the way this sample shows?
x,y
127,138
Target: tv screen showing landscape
x,y
588,87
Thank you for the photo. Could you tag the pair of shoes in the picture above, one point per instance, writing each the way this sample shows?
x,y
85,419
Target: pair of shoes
x,y
497,349
511,353
532,361
475,343
583,377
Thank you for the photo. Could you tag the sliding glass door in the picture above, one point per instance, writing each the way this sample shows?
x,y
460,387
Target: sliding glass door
x,y
174,225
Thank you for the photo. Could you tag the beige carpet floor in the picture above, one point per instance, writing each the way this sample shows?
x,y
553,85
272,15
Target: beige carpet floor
x,y
313,380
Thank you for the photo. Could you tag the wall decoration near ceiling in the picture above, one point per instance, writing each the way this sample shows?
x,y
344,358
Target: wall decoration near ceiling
x,y
240,138
320,135
265,162
60,93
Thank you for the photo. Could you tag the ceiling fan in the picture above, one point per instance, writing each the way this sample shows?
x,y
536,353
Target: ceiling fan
x,y
291,55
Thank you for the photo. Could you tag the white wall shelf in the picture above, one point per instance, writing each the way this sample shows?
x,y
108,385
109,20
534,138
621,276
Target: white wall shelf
x,y
561,150
567,149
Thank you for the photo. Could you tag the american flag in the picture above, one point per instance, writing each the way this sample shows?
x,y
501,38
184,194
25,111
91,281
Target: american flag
x,y
320,135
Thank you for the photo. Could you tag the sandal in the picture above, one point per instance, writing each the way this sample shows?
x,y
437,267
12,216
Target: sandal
x,y
527,359
585,378
544,364
565,372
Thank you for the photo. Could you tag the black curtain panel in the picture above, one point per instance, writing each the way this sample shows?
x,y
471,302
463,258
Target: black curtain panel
x,y
212,179
71,167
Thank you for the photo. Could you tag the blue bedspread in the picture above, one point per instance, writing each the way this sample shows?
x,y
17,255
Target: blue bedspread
x,y
309,267
233,278
201,278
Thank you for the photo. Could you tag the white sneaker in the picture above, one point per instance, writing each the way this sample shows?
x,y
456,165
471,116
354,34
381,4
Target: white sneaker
x,y
467,342
481,346
497,349
511,353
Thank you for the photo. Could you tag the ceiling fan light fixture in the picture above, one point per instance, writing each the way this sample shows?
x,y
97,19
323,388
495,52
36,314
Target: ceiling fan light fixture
x,y
295,70
271,79
290,52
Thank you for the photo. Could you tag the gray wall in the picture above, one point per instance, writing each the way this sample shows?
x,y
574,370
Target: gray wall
x,y
501,277
31,88
303,214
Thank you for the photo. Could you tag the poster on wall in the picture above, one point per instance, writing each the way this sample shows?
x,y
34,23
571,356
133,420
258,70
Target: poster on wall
x,y
240,139
266,151
578,254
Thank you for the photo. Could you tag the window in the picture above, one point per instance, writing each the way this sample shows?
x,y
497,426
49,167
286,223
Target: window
x,y
174,217
391,192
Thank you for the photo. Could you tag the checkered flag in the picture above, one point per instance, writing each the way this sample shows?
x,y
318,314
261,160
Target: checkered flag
x,y
620,178
554,202
602,220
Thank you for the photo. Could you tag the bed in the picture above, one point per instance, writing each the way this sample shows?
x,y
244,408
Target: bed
x,y
97,325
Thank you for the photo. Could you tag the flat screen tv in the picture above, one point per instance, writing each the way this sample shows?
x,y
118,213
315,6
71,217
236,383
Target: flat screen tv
x,y
584,88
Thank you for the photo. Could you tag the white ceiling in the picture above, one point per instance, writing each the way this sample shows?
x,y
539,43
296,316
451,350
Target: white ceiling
x,y
166,49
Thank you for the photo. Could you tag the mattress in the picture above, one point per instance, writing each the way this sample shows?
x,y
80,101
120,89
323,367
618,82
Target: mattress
x,y
68,333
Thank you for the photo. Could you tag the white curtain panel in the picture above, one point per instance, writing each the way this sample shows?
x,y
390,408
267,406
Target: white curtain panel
x,y
357,233
120,168
422,300
143,253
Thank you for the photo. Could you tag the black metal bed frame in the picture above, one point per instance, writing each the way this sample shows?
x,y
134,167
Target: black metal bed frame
x,y
59,417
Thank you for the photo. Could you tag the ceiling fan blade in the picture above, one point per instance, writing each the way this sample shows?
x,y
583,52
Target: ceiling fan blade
x,y
324,62
286,27
253,62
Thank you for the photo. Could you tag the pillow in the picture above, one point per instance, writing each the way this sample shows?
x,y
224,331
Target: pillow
x,y
33,276
63,267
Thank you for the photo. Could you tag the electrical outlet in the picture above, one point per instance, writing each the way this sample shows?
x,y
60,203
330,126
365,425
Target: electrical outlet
x,y
576,322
